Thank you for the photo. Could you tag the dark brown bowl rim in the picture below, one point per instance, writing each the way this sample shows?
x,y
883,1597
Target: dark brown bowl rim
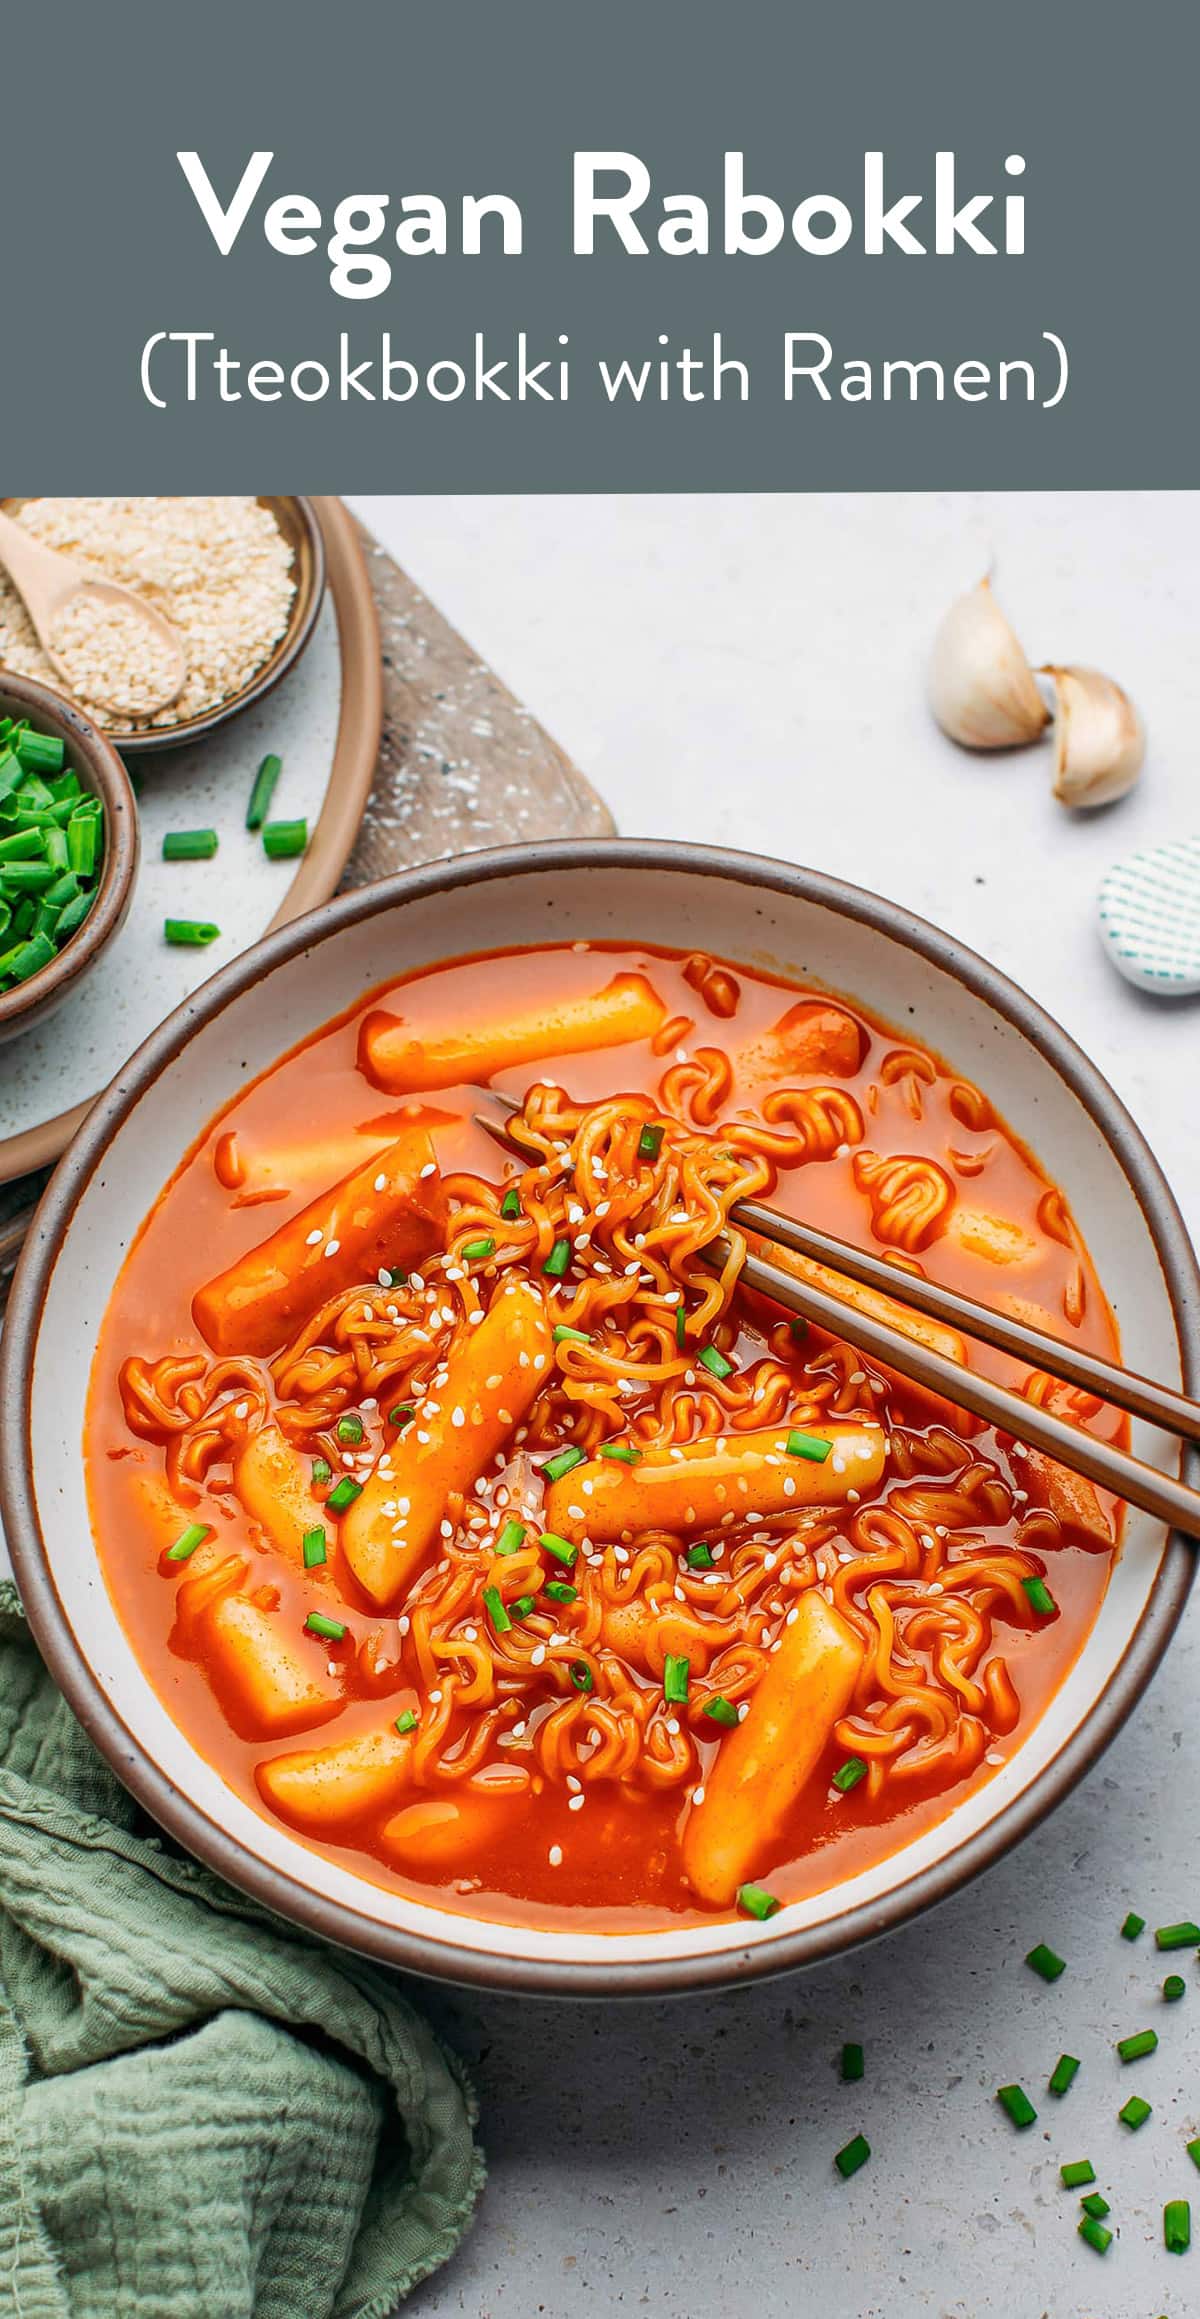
x,y
440,1958
19,1008
284,657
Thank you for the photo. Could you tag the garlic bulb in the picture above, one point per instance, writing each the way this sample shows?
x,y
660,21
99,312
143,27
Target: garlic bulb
x,y
1099,739
981,687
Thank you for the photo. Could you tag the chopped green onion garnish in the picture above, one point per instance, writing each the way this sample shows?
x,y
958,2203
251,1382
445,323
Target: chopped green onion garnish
x,y
559,1591
263,791
350,1428
402,1414
680,1327
1177,2226
1065,2070
406,1721
1193,2151
721,1711
853,2064
522,1606
1174,1987
315,1549
188,1540
1077,2173
282,840
330,1630
1134,2113
715,1362
511,1538
700,1558
494,1606
1043,1961
190,933
581,1675
1178,1936
1095,2205
40,752
1132,1926
757,1901
189,845
476,1250
343,1494
650,1143
565,1336
560,1548
621,1452
510,1205
322,1471
1014,2100
566,1459
1040,1598
1095,2234
559,1258
849,1774
83,842
808,1445
855,2154
1142,2042
675,1680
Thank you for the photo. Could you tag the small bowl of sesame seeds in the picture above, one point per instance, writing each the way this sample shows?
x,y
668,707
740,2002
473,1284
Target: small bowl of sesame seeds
x,y
241,580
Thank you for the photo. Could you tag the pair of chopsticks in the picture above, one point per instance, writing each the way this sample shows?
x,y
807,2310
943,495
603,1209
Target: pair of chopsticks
x,y
1114,1469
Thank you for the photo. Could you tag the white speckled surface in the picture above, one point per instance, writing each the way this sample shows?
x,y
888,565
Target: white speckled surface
x,y
747,671
141,977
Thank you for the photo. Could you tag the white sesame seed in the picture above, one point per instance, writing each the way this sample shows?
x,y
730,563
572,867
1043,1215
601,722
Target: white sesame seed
x,y
332,1246
314,1239
380,1181
430,1168
554,1855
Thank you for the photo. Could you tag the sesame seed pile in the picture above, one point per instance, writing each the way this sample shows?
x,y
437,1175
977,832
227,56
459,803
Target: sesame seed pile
x,y
218,569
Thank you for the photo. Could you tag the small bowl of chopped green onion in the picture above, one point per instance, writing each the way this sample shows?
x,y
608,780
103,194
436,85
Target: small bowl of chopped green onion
x,y
68,849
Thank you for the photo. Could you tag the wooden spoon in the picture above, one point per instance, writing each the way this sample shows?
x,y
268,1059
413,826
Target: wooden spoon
x,y
49,582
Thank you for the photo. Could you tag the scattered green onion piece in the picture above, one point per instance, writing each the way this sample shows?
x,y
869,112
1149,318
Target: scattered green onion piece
x,y
343,1494
809,1445
1015,2102
283,840
1077,2173
675,1680
1044,1962
1177,2226
853,2064
402,1414
476,1250
1174,1987
565,1336
263,791
721,1711
1178,1936
1063,2074
650,1143
511,1538
1193,2151
322,1471
522,1606
1095,2205
1132,1927
849,1774
1041,1601
1134,2113
189,845
563,1463
700,1558
621,1452
557,1261
350,1428
188,1540
715,1362
680,1327
1136,2047
494,1606
510,1205
560,1548
315,1549
1095,2234
855,2154
190,933
559,1591
406,1721
581,1675
757,1901
331,1630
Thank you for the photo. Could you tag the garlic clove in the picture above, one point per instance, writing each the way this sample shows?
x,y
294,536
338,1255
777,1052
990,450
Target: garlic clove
x,y
982,689
1099,738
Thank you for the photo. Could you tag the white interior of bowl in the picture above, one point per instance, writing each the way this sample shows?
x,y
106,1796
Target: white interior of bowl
x,y
804,940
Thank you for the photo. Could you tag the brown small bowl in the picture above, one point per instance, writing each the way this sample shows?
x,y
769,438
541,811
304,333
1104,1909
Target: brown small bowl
x,y
297,521
99,769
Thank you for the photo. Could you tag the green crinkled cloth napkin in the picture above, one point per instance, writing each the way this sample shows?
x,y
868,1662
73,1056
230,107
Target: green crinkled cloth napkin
x,y
203,2114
